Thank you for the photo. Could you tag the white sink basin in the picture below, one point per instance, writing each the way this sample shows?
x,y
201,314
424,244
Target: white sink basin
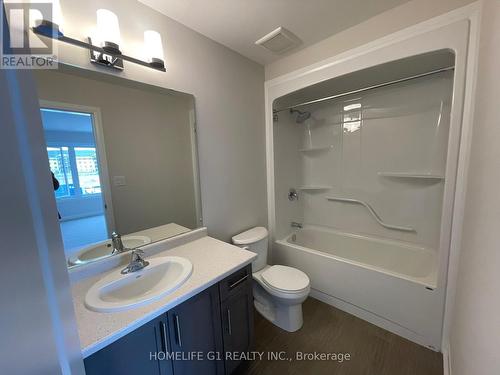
x,y
103,249
118,292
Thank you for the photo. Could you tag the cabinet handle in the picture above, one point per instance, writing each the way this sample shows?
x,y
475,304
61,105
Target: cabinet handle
x,y
236,283
164,336
229,327
178,329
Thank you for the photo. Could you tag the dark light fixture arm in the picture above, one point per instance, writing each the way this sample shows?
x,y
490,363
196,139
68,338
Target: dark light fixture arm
x,y
87,45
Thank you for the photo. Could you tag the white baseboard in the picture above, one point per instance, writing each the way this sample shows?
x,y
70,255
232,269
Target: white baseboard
x,y
446,359
372,318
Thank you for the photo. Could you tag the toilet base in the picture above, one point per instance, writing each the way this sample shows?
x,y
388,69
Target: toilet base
x,y
286,317
286,314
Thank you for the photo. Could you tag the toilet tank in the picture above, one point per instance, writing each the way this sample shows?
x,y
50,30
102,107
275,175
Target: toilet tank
x,y
254,240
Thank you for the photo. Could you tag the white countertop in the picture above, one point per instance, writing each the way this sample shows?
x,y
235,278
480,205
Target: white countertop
x,y
212,261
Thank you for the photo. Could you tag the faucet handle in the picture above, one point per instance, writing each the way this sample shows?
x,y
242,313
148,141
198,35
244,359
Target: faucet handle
x,y
137,255
136,262
115,235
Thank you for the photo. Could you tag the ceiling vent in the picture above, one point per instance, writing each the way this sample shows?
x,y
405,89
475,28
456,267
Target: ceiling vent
x,y
279,40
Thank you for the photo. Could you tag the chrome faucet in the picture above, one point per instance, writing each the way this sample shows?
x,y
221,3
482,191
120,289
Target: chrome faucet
x,y
117,242
137,263
294,224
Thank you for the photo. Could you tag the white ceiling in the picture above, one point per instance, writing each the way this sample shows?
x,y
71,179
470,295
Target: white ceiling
x,y
237,24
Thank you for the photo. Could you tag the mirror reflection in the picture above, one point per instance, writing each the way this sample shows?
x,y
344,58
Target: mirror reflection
x,y
123,161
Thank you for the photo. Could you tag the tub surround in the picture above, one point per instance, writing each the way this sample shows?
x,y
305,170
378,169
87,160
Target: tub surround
x,y
212,261
396,158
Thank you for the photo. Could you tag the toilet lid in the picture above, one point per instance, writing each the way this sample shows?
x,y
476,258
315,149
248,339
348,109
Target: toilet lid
x,y
285,278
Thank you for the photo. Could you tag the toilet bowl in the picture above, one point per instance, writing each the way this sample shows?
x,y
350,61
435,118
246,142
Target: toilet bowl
x,y
278,290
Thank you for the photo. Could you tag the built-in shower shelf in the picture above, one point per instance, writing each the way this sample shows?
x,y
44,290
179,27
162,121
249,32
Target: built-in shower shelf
x,y
314,187
316,149
428,176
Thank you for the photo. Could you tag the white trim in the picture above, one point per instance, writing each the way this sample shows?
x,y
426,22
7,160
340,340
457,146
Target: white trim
x,y
196,169
101,152
463,162
271,214
446,358
317,72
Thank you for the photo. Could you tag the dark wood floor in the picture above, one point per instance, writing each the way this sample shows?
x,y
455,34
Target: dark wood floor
x,y
326,329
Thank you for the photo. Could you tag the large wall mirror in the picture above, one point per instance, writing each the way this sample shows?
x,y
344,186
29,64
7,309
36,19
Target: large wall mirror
x,y
123,159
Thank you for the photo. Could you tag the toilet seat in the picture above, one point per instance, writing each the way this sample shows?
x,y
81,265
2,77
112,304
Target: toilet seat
x,y
285,279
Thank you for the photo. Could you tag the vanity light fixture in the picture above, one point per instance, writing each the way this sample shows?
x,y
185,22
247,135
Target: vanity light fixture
x,y
105,48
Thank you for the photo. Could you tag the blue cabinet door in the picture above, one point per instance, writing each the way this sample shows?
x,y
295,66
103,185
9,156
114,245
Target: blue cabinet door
x,y
195,327
237,316
237,325
140,352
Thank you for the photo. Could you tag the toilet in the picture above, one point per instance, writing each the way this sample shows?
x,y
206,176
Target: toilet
x,y
278,290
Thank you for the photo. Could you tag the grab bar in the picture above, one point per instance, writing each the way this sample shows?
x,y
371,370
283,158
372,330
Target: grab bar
x,y
372,211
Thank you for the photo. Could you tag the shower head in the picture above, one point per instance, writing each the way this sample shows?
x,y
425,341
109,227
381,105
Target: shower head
x,y
301,116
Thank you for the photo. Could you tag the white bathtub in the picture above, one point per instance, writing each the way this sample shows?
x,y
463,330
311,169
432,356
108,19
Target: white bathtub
x,y
390,283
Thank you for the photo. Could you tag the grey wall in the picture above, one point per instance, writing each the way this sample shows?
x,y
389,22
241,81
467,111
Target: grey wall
x,y
475,329
147,136
229,94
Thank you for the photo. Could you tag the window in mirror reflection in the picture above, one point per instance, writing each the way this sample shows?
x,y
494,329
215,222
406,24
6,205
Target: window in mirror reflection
x,y
88,170
60,167
74,163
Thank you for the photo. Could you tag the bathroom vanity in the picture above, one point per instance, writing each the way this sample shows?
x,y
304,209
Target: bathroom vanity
x,y
188,331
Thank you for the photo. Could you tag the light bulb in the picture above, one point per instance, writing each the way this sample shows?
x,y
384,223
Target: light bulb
x,y
154,48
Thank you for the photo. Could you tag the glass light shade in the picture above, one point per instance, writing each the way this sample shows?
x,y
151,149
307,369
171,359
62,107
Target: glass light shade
x,y
153,46
108,29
